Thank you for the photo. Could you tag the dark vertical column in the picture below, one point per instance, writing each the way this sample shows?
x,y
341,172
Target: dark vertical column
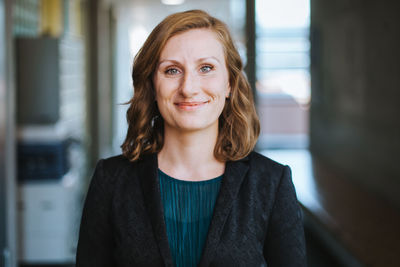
x,y
100,81
8,240
251,43
3,112
92,103
105,99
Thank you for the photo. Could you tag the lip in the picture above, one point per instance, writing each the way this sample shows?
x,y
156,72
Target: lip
x,y
191,105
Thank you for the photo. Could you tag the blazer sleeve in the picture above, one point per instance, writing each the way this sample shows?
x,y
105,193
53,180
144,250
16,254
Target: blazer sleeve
x,y
95,244
285,242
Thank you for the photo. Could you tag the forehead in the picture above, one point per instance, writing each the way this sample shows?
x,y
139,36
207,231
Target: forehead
x,y
195,42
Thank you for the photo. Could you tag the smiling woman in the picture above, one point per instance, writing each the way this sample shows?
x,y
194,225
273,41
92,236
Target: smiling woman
x,y
238,125
188,190
191,82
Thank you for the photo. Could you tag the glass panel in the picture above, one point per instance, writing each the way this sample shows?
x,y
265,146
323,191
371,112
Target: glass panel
x,y
283,78
282,60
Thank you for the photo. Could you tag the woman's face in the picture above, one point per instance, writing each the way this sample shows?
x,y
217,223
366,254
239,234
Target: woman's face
x,y
191,81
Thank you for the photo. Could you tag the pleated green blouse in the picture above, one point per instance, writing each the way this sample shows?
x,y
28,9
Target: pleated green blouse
x,y
188,209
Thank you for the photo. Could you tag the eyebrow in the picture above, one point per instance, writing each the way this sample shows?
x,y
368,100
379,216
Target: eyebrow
x,y
198,60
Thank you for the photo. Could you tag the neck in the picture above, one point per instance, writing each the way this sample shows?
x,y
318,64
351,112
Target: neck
x,y
190,155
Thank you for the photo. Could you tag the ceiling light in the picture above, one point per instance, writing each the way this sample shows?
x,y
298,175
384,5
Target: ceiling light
x,y
172,2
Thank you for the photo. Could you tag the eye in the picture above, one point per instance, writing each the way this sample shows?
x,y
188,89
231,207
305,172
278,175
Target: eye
x,y
206,68
172,71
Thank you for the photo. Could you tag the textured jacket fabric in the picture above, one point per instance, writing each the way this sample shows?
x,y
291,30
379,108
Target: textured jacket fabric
x,y
256,222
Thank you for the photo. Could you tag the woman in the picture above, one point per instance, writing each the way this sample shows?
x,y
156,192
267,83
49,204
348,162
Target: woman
x,y
188,190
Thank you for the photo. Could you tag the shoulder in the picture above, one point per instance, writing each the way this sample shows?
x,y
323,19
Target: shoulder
x,y
265,171
112,166
260,158
112,169
114,163
121,163
274,178
262,163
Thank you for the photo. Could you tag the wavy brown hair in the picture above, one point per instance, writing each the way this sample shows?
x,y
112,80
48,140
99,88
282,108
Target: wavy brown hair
x,y
239,126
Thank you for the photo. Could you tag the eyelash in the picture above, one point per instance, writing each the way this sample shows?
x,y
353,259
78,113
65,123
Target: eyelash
x,y
174,71
207,66
170,71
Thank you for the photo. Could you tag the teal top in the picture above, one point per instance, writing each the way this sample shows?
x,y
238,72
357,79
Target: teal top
x,y
188,209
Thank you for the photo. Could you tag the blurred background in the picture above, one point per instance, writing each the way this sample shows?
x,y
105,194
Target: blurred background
x,y
326,78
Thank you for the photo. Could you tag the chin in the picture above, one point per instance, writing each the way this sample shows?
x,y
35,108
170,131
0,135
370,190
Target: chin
x,y
191,126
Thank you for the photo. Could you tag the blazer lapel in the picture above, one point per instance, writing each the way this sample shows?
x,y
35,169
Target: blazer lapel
x,y
148,173
231,182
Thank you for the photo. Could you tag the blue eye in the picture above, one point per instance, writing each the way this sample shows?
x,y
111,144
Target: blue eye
x,y
172,71
206,69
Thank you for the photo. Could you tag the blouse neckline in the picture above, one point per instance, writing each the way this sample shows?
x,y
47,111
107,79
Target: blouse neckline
x,y
212,180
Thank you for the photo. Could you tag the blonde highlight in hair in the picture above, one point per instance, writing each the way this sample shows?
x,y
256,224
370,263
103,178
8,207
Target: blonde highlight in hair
x,y
239,126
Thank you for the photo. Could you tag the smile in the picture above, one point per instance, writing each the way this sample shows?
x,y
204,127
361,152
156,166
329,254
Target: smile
x,y
192,105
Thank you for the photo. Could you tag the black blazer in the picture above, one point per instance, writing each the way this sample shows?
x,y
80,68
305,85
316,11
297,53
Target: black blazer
x,y
256,222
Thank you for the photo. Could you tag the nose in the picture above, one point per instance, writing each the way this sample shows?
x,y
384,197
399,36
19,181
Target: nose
x,y
190,85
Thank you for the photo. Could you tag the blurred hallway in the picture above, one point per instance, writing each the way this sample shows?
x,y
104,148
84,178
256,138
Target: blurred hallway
x,y
325,76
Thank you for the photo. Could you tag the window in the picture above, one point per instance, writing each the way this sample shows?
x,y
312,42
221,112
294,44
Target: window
x,y
283,78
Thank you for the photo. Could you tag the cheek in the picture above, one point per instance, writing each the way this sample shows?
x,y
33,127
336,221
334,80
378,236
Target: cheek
x,y
224,85
162,96
164,89
160,91
157,94
219,85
